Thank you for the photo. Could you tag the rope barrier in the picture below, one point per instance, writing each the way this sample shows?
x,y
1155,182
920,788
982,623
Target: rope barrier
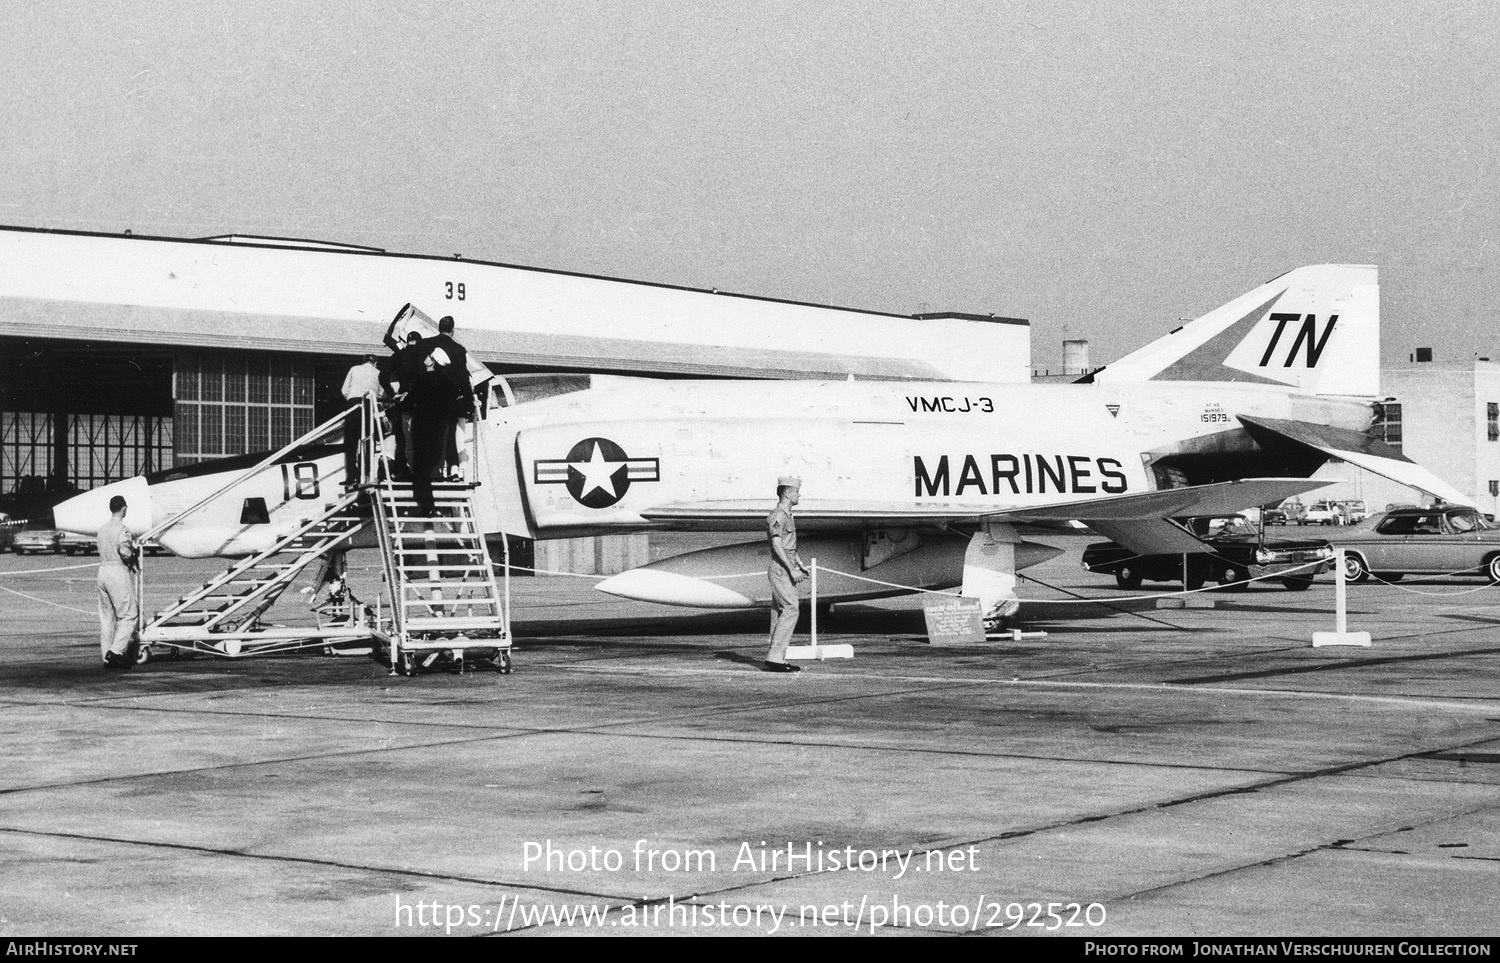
x,y
1113,598
706,578
876,581
1401,588
45,571
46,602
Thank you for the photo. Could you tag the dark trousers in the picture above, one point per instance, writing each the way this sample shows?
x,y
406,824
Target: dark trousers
x,y
353,428
428,445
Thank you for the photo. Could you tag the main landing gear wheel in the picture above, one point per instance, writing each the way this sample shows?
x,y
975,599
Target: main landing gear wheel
x,y
1355,569
1126,577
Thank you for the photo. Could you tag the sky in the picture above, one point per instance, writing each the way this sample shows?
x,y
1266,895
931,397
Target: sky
x,y
1102,169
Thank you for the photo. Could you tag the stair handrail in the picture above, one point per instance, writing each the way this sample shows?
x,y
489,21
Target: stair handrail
x,y
382,502
477,454
156,530
332,540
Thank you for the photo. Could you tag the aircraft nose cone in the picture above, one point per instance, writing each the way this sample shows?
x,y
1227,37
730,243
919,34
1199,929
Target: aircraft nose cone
x,y
83,514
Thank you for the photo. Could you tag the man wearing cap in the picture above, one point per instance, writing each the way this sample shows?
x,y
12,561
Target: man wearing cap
x,y
785,572
117,607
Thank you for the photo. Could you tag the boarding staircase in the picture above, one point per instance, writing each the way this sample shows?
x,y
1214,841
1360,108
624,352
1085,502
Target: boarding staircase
x,y
225,612
441,605
445,600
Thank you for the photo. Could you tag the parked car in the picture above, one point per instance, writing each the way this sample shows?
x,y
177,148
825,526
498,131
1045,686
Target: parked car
x,y
1238,551
1322,513
1355,511
1273,516
1447,540
71,544
36,541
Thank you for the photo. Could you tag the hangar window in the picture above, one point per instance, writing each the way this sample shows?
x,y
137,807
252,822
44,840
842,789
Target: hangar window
x,y
237,402
1387,425
1493,415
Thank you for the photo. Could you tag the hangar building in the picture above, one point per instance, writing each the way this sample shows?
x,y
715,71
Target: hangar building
x,y
121,355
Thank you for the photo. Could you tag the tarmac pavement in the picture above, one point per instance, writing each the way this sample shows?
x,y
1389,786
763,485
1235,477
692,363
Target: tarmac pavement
x,y
1151,772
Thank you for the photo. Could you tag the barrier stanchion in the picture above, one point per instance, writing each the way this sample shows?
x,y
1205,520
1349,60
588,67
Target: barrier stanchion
x,y
1340,634
804,653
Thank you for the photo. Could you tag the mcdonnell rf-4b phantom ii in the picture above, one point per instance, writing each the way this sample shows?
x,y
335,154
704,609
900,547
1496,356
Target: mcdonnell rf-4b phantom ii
x,y
905,485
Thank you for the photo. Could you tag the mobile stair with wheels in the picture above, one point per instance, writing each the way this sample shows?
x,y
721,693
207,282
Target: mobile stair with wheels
x,y
440,604
224,615
446,606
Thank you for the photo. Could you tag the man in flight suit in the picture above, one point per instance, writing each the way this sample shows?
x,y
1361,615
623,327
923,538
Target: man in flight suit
x,y
117,607
786,572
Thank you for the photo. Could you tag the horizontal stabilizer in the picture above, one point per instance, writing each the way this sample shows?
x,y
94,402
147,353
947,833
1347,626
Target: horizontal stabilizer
x,y
1221,498
1357,449
1149,536
1141,522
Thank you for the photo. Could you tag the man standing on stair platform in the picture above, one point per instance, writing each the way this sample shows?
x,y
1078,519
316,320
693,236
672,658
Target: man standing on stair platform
x,y
362,381
397,374
438,392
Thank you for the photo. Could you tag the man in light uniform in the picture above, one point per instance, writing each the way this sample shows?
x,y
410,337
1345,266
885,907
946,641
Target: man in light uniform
x,y
117,605
362,381
785,572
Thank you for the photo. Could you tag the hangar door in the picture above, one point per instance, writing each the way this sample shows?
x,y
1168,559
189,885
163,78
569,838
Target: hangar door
x,y
75,415
99,448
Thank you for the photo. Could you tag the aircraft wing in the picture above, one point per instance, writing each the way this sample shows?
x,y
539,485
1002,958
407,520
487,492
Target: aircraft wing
x,y
825,513
1357,449
1139,522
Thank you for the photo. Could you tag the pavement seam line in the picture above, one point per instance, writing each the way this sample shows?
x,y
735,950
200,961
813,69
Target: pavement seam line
x,y
304,861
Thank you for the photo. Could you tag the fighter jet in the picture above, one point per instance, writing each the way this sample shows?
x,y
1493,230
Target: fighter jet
x,y
920,485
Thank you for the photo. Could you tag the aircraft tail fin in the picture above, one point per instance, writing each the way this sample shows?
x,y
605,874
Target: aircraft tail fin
x,y
1315,329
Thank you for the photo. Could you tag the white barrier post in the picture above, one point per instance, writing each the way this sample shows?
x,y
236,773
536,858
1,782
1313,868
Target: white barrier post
x,y
1340,634
816,651
815,604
